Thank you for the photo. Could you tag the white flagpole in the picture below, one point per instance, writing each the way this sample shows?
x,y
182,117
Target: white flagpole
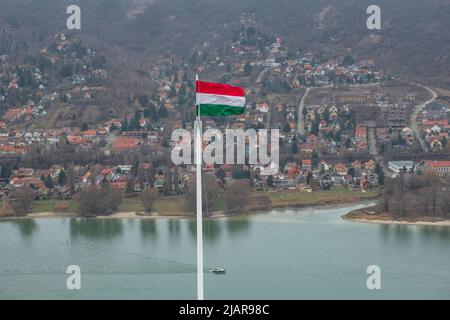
x,y
199,160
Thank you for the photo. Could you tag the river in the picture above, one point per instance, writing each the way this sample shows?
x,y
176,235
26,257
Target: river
x,y
284,254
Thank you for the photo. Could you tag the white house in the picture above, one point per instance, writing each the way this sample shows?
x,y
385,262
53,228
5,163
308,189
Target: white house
x,y
399,166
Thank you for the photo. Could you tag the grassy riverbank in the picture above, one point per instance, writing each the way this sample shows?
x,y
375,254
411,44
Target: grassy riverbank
x,y
176,206
306,199
165,206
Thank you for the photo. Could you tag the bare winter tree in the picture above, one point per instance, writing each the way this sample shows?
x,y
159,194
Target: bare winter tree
x,y
23,200
237,196
210,191
148,197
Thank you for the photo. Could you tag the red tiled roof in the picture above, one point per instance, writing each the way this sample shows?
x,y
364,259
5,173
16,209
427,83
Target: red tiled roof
x,y
147,166
105,172
435,164
361,131
119,184
125,143
5,148
89,133
432,123
13,114
306,146
27,181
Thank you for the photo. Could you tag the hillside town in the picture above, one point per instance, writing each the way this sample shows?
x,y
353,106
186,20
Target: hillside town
x,y
363,128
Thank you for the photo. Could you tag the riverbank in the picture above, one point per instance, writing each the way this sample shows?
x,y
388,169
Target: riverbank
x,y
175,207
375,215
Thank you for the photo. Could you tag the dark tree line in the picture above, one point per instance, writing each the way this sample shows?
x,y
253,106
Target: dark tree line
x,y
417,195
99,200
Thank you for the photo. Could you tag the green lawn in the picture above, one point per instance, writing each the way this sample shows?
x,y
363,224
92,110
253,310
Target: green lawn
x,y
176,205
172,206
164,205
131,205
311,198
49,205
128,205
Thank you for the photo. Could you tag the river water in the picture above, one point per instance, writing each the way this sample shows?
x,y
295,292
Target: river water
x,y
284,254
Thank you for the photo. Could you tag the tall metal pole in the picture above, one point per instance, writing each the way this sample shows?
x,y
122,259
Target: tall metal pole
x,y
199,160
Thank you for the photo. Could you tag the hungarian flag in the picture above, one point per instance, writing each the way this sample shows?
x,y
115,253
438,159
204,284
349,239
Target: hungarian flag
x,y
215,99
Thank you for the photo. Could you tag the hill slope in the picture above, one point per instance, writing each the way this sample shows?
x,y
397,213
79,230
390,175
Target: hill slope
x,y
415,39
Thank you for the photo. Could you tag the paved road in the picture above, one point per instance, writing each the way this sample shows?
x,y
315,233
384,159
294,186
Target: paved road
x,y
301,106
258,80
372,140
109,141
417,110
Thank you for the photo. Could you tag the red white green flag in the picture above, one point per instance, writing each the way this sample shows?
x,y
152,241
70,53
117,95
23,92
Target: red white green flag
x,y
216,99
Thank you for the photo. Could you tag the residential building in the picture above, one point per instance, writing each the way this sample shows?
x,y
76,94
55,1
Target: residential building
x,y
399,166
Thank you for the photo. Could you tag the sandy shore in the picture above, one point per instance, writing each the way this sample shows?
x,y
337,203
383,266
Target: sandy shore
x,y
43,215
444,223
117,215
134,215
368,215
